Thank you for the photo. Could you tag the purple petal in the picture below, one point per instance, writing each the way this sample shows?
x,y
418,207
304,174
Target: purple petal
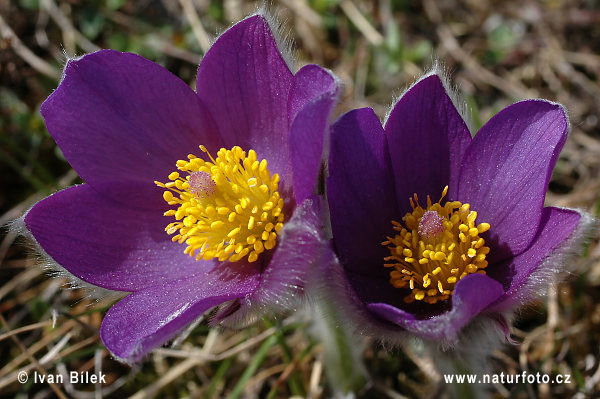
x,y
300,246
245,83
122,119
556,227
149,318
312,99
106,243
472,295
427,138
506,170
360,191
372,288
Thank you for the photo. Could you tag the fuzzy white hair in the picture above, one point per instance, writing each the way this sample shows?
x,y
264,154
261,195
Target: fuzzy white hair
x,y
438,69
54,269
284,42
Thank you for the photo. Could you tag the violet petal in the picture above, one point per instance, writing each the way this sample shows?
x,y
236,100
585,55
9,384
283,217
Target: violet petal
x,y
506,170
427,138
301,245
107,244
360,190
555,228
149,318
312,99
121,119
245,83
471,296
372,288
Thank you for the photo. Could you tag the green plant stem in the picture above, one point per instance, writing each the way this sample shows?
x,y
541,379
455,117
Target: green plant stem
x,y
257,360
295,379
343,362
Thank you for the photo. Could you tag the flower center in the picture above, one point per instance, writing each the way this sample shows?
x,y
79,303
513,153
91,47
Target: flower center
x,y
228,208
435,248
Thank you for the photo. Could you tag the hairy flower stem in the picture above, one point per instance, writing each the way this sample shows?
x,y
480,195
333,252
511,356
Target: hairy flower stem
x,y
464,390
343,362
456,364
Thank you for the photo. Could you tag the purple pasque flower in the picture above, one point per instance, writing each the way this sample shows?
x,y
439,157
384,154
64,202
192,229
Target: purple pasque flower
x,y
408,262
126,124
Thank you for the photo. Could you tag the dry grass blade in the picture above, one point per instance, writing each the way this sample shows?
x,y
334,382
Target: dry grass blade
x,y
192,16
20,330
24,52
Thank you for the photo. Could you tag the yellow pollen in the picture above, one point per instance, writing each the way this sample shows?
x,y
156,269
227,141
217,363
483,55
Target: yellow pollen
x,y
227,208
434,248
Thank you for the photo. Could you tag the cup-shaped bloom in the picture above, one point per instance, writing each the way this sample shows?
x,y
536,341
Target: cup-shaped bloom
x,y
433,227
192,199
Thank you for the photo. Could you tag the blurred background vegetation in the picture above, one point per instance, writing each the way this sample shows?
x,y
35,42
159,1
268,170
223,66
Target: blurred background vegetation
x,y
497,52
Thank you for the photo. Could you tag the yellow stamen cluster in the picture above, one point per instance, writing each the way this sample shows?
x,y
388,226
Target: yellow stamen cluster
x,y
439,246
229,207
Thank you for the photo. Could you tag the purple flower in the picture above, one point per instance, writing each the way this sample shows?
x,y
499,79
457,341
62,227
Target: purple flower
x,y
242,224
433,228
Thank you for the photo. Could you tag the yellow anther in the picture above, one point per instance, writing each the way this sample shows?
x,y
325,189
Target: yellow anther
x,y
426,281
471,218
439,256
189,221
253,257
217,225
168,196
233,232
227,208
483,227
430,254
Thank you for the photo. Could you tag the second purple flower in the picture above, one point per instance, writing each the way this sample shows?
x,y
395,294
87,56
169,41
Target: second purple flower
x,y
433,228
